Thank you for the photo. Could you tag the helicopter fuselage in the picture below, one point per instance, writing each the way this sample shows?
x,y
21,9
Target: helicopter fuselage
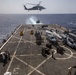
x,y
38,8
35,8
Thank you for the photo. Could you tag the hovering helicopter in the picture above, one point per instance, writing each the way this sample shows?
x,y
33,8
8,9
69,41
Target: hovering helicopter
x,y
36,7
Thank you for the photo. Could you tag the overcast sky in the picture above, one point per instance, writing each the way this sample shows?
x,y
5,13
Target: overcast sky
x,y
52,6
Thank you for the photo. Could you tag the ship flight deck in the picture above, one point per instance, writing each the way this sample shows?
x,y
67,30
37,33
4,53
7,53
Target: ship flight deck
x,y
26,57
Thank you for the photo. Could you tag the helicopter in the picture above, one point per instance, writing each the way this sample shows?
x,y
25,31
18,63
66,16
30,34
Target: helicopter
x,y
36,7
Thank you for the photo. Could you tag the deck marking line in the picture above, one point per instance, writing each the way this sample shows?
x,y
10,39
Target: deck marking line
x,y
29,55
13,55
16,37
74,53
9,38
18,28
29,65
25,40
72,56
41,63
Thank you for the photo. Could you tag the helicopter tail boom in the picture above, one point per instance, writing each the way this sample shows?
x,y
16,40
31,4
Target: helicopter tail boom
x,y
25,7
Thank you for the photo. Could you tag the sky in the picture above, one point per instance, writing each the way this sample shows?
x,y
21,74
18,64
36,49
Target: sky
x,y
52,6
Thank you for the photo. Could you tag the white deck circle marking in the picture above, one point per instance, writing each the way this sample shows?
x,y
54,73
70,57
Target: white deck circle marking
x,y
69,55
74,55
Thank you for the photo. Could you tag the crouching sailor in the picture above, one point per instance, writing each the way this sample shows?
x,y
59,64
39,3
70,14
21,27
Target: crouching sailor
x,y
5,55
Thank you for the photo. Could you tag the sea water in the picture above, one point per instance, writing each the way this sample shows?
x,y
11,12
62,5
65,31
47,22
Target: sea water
x,y
8,22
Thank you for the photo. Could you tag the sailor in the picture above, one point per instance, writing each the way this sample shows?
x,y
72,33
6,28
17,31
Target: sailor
x,y
53,55
60,50
35,33
47,51
4,57
49,45
8,55
43,52
32,32
70,70
41,33
21,33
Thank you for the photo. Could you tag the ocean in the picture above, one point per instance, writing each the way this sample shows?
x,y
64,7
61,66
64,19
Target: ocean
x,y
8,22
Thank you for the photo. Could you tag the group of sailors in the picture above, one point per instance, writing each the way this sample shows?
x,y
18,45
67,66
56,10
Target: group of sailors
x,y
48,47
46,51
38,37
5,56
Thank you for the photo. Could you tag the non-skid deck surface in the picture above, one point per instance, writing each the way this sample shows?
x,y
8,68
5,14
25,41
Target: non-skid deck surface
x,y
26,57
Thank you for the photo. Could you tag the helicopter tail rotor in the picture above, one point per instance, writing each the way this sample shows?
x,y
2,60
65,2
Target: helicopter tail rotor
x,y
39,2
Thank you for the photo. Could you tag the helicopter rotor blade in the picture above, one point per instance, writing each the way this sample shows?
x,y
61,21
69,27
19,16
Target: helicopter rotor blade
x,y
34,4
31,4
39,3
